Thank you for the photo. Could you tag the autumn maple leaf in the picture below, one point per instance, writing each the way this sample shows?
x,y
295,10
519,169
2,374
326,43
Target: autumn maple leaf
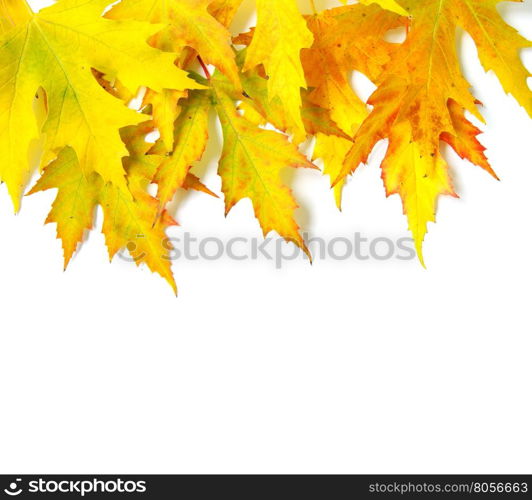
x,y
134,223
56,49
422,98
251,164
186,24
278,39
343,37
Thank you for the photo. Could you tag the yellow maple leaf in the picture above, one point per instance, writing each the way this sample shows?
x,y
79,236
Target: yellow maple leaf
x,y
188,24
278,39
191,134
499,45
77,197
422,99
343,38
56,49
133,222
128,221
250,167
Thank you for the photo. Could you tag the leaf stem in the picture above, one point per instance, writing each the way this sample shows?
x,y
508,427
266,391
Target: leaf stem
x,y
205,69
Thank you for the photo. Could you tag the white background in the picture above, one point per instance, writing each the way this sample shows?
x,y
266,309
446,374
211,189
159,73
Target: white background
x,y
347,367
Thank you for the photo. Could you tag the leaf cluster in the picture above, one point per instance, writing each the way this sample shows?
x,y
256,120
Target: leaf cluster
x,y
71,75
